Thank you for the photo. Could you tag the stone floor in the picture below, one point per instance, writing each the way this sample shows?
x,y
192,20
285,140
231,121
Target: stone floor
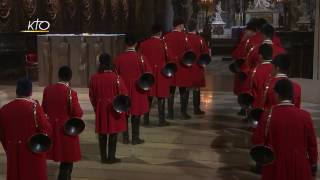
x,y
210,147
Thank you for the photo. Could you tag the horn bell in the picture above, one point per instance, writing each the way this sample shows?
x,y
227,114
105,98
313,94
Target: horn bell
x,y
146,81
204,60
170,69
39,143
121,103
74,126
262,154
188,58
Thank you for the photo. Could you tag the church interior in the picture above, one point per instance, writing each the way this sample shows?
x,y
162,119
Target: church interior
x,y
37,37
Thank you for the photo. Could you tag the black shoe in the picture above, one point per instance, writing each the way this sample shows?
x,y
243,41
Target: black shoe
x,y
137,141
113,161
198,112
125,140
164,123
185,116
242,112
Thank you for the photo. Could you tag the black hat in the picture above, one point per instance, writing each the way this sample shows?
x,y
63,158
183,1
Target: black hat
x,y
260,23
130,39
268,30
192,25
266,51
105,59
284,89
252,24
65,73
282,61
178,21
24,87
156,28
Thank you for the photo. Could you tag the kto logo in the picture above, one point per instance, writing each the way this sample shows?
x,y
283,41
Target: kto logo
x,y
38,26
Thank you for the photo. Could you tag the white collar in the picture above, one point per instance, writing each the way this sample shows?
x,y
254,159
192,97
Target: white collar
x,y
26,99
108,71
267,61
193,32
267,41
281,75
130,49
64,83
156,37
286,103
176,30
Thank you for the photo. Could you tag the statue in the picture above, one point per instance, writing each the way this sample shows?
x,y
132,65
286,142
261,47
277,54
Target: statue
x,y
305,17
218,13
262,4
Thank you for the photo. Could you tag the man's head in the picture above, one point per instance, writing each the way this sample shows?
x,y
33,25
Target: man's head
x,y
281,64
65,73
24,88
130,40
268,31
157,30
105,62
284,90
260,23
192,25
178,24
265,52
252,25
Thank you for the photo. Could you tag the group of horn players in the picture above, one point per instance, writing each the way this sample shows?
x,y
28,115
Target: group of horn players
x,y
283,136
31,132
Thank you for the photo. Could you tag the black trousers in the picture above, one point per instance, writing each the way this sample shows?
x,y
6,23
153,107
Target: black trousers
x,y
65,171
184,99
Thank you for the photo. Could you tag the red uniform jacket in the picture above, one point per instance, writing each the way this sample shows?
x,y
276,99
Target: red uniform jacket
x,y
16,127
154,51
271,99
177,45
199,46
55,104
292,137
259,78
253,58
102,91
129,68
240,52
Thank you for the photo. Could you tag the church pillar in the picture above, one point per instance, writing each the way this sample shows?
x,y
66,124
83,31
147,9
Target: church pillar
x,y
316,60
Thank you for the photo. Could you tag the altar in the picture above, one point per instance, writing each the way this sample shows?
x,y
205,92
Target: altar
x,y
80,52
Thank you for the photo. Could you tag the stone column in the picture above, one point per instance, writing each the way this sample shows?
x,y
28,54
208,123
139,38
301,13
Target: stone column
x,y
316,57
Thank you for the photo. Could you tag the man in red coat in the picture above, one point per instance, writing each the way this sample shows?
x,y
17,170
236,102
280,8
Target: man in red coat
x,y
289,132
60,103
155,52
104,87
281,66
268,36
17,125
261,73
199,46
130,66
178,44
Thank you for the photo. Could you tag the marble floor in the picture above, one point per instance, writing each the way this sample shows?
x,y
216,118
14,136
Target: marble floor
x,y
213,146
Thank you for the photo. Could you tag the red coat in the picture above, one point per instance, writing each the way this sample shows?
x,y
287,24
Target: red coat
x,y
199,48
259,78
177,45
154,51
292,137
240,52
55,104
253,58
16,127
271,99
129,68
102,91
